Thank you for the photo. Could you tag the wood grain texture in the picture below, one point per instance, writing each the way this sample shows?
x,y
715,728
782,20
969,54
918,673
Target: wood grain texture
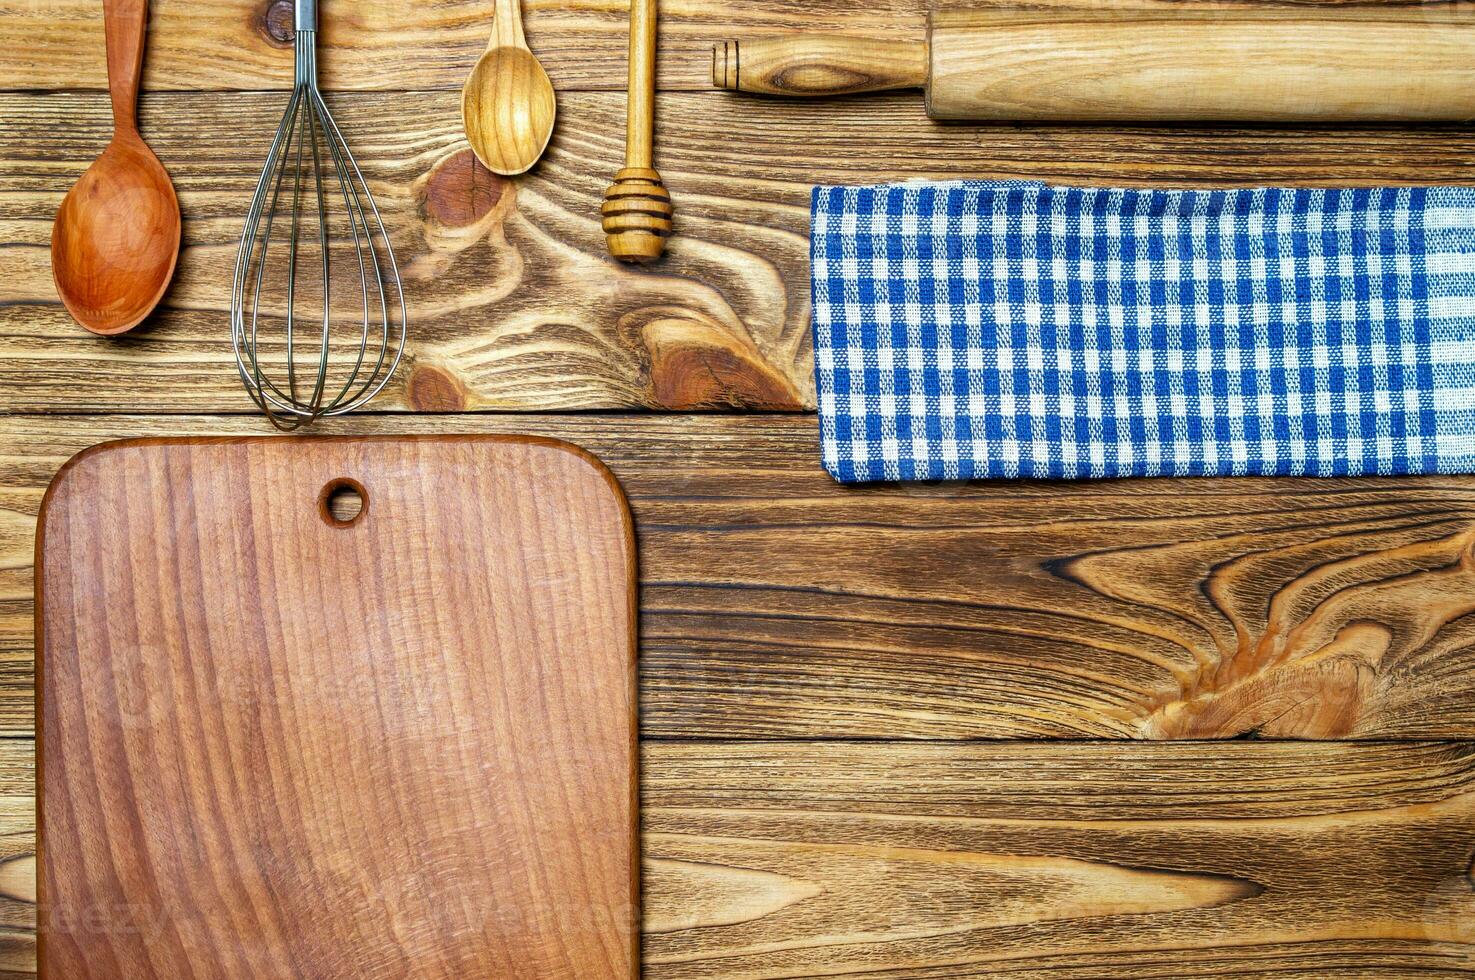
x,y
377,44
1025,861
276,742
776,603
17,858
1053,861
514,303
382,44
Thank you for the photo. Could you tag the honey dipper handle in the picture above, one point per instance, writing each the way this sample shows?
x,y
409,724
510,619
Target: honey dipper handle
x,y
818,64
640,111
637,208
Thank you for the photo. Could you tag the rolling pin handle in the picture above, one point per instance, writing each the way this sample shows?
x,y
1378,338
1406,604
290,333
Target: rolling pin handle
x,y
818,65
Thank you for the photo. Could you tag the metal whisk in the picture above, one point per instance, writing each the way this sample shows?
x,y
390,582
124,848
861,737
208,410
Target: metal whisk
x,y
335,368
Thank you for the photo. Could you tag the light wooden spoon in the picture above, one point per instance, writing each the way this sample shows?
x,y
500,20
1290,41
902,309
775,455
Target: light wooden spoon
x,y
116,236
507,103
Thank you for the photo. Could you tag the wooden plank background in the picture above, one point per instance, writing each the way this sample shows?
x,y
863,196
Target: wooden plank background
x,y
779,604
1036,860
919,731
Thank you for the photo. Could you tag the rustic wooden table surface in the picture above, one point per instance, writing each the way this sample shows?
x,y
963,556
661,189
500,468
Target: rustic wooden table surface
x,y
1139,729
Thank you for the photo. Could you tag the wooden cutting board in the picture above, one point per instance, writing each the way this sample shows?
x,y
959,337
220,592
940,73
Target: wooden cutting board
x,y
280,743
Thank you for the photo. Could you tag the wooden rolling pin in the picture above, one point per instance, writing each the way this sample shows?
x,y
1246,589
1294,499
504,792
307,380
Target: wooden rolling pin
x,y
1328,64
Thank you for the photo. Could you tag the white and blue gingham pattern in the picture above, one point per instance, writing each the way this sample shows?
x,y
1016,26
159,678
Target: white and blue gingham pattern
x,y
975,329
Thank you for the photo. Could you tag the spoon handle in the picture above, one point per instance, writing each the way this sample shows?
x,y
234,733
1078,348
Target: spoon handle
x,y
125,22
507,25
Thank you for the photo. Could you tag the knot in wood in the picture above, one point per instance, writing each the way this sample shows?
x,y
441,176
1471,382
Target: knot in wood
x,y
637,215
459,191
433,389
278,21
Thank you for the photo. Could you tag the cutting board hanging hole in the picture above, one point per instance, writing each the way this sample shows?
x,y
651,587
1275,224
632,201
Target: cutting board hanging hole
x,y
343,502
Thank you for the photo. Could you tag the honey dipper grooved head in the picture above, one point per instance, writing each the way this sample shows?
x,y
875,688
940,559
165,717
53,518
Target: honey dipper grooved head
x,y
637,215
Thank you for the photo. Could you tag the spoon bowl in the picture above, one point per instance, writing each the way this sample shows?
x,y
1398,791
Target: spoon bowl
x,y
507,103
116,239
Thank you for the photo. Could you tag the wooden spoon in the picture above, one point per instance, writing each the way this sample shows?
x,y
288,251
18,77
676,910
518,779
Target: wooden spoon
x,y
507,102
116,236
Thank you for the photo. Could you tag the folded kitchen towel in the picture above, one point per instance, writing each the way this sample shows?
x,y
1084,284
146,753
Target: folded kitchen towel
x,y
977,329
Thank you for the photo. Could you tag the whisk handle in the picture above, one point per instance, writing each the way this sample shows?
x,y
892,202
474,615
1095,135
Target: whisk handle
x,y
307,15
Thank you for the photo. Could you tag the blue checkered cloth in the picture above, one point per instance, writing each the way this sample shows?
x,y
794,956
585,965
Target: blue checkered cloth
x,y
975,329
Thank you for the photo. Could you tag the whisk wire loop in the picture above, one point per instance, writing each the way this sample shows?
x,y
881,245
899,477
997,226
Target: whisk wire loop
x,y
342,378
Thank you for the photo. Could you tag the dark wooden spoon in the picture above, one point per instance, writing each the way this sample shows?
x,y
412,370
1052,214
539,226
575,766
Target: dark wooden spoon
x,y
116,237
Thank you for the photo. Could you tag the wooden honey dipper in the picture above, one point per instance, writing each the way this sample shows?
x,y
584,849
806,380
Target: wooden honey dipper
x,y
637,207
